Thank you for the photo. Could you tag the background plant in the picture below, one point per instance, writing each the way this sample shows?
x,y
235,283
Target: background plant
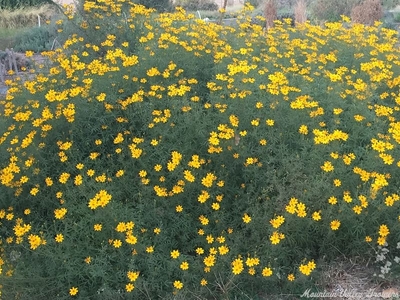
x,y
332,10
24,17
194,5
367,12
16,4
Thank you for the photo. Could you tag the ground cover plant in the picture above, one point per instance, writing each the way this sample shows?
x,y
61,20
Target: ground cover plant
x,y
164,156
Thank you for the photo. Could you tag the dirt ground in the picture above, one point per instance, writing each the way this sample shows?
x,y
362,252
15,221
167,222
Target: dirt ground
x,y
64,1
356,279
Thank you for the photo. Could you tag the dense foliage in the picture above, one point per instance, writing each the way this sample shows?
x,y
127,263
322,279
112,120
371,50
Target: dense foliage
x,y
160,155
13,4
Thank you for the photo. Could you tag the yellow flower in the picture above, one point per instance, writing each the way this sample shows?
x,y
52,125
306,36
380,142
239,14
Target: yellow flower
x,y
178,284
210,239
117,243
303,129
383,230
266,272
337,182
252,261
203,197
179,208
223,250
215,206
59,238
97,227
121,227
132,276
327,166
49,181
203,220
316,216
335,224
306,269
246,218
129,287
263,142
60,213
275,238
94,155
368,239
291,277
381,241
175,254
150,249
184,265
237,266
199,251
101,97
255,122
153,72
78,180
209,261
119,173
203,282
130,239
270,122
252,271
277,222
73,291
357,209
332,200
64,177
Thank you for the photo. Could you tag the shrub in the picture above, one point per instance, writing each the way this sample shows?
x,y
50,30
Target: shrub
x,y
332,10
37,39
167,156
159,5
389,4
367,12
15,4
254,3
193,5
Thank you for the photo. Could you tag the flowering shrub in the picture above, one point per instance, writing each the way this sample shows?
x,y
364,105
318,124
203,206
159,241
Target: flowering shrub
x,y
164,155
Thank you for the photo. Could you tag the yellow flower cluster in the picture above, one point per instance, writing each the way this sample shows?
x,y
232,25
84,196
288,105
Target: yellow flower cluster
x,y
101,199
306,269
203,149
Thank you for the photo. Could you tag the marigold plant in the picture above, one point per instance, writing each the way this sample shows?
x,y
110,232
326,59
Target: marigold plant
x,y
162,155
